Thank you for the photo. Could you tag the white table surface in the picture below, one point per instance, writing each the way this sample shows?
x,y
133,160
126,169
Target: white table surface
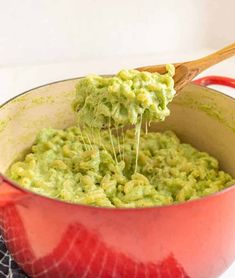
x,y
14,80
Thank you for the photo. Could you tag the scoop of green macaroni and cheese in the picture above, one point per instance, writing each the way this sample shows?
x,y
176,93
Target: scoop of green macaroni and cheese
x,y
124,98
87,164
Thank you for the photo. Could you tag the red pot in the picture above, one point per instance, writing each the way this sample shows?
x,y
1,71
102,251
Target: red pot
x,y
51,238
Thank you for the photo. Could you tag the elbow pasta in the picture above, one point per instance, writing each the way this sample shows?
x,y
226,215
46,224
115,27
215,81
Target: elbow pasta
x,y
123,99
79,168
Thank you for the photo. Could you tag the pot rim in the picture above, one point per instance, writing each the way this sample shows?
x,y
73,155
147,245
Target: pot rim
x,y
185,203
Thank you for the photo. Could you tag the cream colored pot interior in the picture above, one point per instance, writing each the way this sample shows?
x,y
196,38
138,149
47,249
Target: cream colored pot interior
x,y
200,116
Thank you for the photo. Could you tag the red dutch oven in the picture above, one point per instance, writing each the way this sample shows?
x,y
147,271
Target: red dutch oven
x,y
51,238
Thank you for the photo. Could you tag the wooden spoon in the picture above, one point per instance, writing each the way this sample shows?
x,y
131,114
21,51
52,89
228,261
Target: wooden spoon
x,y
185,72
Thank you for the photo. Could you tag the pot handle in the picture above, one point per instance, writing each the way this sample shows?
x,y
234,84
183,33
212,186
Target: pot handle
x,y
215,80
8,193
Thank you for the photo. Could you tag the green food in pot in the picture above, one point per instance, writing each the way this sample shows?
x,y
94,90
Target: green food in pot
x,y
80,168
86,164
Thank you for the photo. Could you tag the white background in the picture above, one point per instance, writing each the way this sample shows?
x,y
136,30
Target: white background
x,y
48,40
61,30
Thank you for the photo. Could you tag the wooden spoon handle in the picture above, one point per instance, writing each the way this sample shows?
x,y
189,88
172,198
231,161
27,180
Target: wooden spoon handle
x,y
202,64
185,72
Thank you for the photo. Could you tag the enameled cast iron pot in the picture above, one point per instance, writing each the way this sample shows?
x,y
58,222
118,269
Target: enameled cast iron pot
x,y
51,238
